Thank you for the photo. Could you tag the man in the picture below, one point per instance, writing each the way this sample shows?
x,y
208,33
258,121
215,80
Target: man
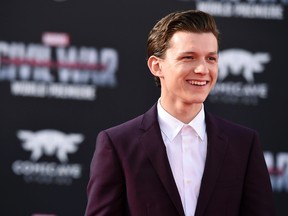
x,y
177,158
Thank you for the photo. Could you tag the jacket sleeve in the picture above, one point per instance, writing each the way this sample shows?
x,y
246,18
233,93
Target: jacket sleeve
x,y
105,189
258,196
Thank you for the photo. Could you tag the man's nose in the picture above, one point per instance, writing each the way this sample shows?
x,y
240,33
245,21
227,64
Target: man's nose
x,y
201,67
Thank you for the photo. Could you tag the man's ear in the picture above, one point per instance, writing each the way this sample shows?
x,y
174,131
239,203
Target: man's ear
x,y
154,65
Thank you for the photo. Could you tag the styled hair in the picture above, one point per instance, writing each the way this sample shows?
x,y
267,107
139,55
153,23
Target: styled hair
x,y
189,21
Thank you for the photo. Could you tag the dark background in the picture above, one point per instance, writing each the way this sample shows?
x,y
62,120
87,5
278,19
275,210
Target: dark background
x,y
123,26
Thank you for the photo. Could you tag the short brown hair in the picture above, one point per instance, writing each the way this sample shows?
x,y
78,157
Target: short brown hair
x,y
189,20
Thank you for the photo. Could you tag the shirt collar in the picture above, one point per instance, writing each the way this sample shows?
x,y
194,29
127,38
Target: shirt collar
x,y
171,126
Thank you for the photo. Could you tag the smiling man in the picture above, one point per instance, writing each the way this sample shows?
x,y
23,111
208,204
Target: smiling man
x,y
178,159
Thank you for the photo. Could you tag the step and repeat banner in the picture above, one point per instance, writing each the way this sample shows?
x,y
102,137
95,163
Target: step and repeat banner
x,y
70,68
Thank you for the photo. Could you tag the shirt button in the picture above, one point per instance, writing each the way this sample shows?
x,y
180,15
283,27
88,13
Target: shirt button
x,y
188,181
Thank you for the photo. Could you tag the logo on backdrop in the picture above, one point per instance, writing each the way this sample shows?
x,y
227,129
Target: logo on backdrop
x,y
57,69
49,145
278,168
236,83
49,142
252,9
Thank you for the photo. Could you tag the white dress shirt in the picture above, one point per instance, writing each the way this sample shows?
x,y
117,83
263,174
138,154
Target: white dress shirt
x,y
186,146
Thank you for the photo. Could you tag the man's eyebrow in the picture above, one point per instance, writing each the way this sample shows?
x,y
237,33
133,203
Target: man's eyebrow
x,y
192,52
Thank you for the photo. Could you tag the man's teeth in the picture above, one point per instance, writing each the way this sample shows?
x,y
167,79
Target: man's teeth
x,y
200,83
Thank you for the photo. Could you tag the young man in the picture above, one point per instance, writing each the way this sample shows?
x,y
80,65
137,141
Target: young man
x,y
177,158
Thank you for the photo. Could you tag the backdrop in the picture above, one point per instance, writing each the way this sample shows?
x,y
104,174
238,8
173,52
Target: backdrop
x,y
70,68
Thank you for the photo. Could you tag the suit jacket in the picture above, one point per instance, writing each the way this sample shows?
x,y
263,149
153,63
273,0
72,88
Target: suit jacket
x,y
130,173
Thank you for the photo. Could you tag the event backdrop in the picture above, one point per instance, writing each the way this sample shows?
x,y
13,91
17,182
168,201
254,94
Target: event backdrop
x,y
70,68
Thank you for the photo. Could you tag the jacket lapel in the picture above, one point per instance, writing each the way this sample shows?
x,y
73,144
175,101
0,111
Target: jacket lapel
x,y
216,149
155,149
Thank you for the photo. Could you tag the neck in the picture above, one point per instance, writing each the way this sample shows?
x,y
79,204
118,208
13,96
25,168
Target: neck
x,y
184,112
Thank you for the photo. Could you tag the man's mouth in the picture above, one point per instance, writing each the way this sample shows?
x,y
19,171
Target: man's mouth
x,y
197,83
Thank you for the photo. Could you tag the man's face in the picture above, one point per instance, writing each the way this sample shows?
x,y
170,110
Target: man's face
x,y
189,68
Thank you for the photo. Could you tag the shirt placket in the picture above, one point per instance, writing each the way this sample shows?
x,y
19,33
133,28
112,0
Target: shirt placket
x,y
189,195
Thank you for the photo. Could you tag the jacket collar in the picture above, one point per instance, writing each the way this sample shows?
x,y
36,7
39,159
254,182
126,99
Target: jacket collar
x,y
216,150
155,149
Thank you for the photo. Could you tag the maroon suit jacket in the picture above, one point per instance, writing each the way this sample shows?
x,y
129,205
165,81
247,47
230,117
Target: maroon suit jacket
x,y
131,176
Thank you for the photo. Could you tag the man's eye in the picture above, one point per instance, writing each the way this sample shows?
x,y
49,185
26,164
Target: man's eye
x,y
212,59
188,57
